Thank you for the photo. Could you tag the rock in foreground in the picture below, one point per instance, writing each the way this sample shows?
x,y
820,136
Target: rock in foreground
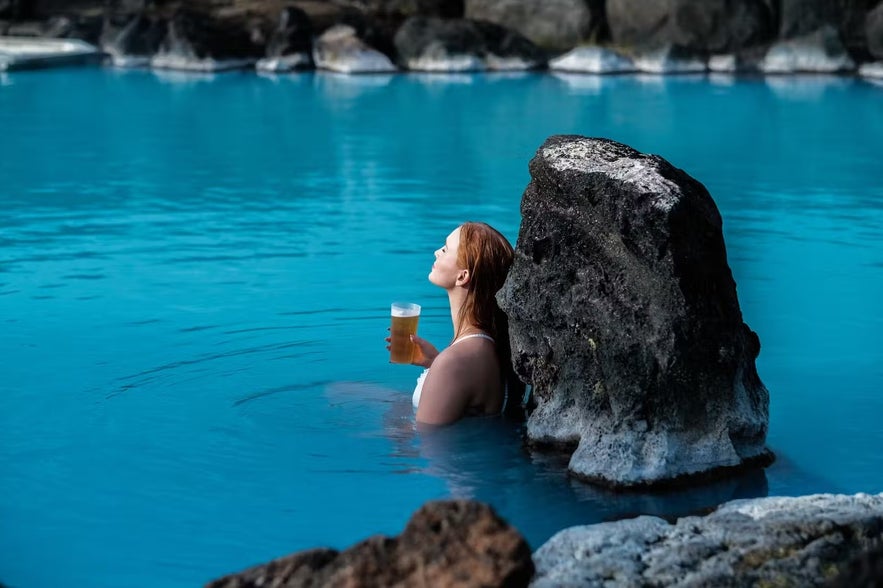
x,y
450,543
624,318
802,541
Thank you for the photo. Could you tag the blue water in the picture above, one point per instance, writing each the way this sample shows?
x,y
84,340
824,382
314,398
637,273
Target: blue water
x,y
195,276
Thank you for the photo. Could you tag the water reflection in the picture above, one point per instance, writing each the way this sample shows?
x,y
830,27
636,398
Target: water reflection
x,y
483,459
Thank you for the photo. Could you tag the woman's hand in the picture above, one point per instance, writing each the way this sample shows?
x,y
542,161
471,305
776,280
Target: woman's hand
x,y
425,352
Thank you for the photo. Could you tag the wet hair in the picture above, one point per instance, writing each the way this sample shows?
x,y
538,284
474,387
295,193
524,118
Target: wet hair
x,y
487,254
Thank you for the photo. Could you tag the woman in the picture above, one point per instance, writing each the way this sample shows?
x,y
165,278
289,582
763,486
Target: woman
x,y
473,376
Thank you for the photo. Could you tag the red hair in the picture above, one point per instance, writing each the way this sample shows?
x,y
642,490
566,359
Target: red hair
x,y
488,255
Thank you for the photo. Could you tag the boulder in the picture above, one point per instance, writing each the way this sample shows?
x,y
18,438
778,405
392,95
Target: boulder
x,y
408,8
865,570
132,40
595,60
290,46
623,317
434,44
9,9
197,41
340,49
872,70
669,59
712,26
818,52
775,541
555,25
446,543
800,17
874,31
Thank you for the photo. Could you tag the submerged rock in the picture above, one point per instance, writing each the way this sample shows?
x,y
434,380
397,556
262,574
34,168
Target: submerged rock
x,y
340,49
624,318
446,543
456,45
776,541
818,52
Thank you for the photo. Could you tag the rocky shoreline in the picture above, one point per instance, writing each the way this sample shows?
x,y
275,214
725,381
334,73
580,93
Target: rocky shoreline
x,y
819,540
764,37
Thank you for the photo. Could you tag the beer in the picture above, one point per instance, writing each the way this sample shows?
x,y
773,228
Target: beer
x,y
404,324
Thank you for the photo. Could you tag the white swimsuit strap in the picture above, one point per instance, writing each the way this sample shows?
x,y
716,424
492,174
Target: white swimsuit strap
x,y
482,335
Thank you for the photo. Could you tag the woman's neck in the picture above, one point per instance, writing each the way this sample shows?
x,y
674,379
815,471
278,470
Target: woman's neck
x,y
457,298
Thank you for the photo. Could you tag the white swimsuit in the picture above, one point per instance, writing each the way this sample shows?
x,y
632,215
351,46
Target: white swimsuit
x,y
418,389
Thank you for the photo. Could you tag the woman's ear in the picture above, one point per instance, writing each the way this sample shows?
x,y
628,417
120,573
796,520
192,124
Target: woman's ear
x,y
463,277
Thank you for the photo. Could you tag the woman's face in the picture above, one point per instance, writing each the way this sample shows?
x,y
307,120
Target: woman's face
x,y
445,271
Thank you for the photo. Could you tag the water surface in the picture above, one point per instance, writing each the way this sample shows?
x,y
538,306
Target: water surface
x,y
195,275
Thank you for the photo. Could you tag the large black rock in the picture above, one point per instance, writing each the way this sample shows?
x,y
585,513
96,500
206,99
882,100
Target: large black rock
x,y
623,316
711,26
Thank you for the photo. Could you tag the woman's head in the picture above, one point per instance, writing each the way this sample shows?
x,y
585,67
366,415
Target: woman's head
x,y
475,257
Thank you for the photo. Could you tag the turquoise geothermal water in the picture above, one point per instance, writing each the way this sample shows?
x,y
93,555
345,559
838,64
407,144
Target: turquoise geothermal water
x,y
195,276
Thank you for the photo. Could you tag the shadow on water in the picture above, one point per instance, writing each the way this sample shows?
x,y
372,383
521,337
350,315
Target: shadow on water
x,y
485,459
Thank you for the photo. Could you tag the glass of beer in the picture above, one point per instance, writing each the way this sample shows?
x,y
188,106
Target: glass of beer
x,y
404,324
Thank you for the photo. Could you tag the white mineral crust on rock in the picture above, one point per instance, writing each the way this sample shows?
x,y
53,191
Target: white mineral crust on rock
x,y
639,173
184,63
819,52
762,541
595,60
661,62
723,64
871,70
446,63
283,64
340,50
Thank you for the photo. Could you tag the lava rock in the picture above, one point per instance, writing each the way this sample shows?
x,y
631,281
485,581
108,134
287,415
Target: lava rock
x,y
132,40
555,25
623,316
874,31
196,41
818,52
290,46
340,49
776,541
434,44
713,26
446,543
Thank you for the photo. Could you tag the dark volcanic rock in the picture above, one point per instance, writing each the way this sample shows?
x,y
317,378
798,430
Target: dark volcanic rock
x,y
864,571
127,37
623,316
291,44
451,543
556,25
198,40
293,34
457,45
874,31
775,541
712,26
799,17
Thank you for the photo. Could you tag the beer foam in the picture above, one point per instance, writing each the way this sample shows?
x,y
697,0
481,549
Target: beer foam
x,y
404,309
